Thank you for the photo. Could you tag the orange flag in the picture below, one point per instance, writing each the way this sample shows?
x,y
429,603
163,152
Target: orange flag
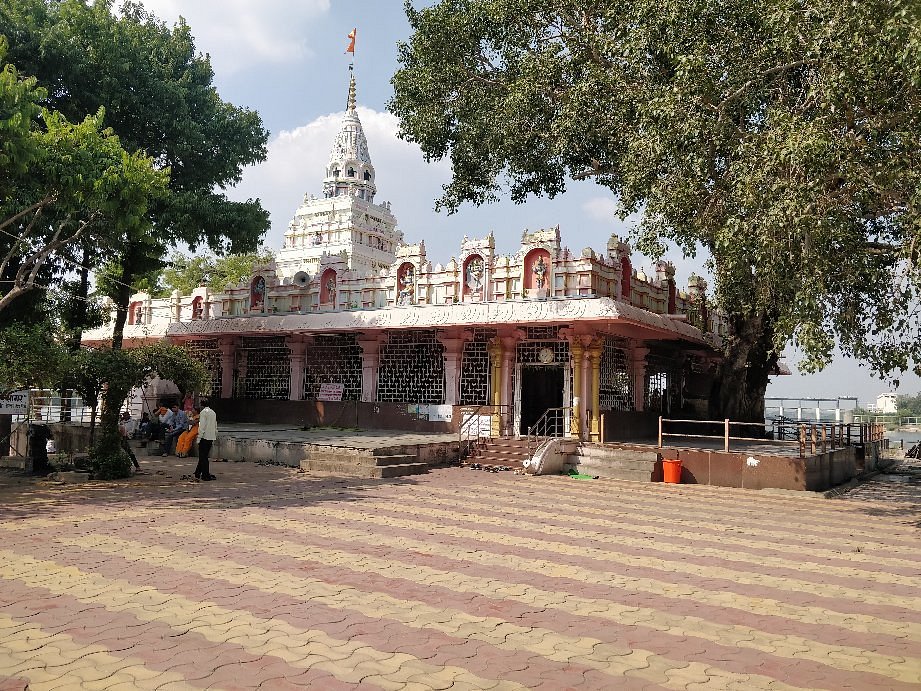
x,y
352,35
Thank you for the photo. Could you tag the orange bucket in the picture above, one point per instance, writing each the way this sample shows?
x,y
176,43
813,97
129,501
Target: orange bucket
x,y
671,471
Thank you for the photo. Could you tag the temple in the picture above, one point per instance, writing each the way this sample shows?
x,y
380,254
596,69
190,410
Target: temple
x,y
349,310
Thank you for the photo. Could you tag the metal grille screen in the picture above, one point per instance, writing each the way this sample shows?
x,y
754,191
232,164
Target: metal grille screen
x,y
264,369
616,385
475,370
412,369
333,359
533,353
208,353
542,333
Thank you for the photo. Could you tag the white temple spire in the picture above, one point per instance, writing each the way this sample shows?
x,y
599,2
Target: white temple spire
x,y
349,171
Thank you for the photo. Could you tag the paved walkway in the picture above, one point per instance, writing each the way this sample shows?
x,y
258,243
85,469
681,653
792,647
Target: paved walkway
x,y
458,579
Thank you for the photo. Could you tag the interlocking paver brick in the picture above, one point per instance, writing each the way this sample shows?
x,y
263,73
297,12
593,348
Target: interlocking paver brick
x,y
456,579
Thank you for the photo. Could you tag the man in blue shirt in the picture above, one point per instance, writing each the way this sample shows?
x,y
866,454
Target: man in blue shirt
x,y
175,426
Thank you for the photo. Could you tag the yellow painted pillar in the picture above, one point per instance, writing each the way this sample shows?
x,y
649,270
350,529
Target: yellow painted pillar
x,y
575,427
495,380
595,355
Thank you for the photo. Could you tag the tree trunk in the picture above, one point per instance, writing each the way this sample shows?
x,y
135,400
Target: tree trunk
x,y
6,431
80,308
122,298
79,317
742,379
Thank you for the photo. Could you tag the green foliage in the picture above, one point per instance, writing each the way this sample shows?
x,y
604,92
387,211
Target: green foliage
x,y
909,406
60,182
105,376
19,106
159,97
185,273
30,357
110,460
783,138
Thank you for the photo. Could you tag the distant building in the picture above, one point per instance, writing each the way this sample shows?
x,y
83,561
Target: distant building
x,y
886,404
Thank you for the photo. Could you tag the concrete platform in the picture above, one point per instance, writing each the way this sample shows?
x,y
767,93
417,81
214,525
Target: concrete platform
x,y
753,464
355,453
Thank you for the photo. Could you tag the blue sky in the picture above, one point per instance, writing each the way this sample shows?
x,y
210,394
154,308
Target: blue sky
x,y
286,60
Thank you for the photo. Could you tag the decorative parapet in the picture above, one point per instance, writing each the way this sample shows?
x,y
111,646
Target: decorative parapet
x,y
603,312
479,276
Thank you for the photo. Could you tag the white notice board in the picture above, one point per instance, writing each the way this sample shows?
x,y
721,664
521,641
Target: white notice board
x,y
16,403
330,392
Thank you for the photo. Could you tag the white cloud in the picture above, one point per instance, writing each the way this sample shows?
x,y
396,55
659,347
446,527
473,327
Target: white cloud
x,y
297,160
241,33
601,208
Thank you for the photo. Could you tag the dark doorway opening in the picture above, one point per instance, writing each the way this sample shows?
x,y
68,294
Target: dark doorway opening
x,y
541,388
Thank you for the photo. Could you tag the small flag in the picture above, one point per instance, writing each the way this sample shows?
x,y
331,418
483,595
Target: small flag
x,y
352,34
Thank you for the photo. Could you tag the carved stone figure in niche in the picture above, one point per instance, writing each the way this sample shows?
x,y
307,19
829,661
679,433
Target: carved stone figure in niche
x,y
407,287
331,289
257,294
317,238
540,272
475,275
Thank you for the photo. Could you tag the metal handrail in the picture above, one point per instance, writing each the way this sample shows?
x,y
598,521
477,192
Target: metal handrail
x,y
471,430
816,436
552,424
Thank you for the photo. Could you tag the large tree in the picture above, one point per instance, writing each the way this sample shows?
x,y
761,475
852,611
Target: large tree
x,y
159,98
782,136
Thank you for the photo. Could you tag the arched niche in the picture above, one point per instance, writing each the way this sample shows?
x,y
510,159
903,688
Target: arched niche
x,y
406,284
197,308
537,270
136,313
257,293
328,283
474,276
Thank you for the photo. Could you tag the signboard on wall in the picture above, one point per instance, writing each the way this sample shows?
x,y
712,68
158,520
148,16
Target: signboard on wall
x,y
330,392
16,403
440,413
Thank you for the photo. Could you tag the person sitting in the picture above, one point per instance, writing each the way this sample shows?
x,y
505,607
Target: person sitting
x,y
143,428
158,423
176,425
187,438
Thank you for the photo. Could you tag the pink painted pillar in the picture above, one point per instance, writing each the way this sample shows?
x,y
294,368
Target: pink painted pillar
x,y
297,350
370,358
639,377
454,350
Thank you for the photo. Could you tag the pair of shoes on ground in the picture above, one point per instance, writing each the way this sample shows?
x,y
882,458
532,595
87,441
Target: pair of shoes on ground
x,y
205,478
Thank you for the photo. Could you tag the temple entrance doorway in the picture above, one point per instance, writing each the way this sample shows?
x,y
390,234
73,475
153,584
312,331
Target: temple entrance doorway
x,y
542,387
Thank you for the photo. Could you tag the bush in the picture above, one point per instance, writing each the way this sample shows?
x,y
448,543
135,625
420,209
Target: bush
x,y
110,460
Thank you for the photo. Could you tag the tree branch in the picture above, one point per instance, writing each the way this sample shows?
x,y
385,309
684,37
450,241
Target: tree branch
x,y
772,72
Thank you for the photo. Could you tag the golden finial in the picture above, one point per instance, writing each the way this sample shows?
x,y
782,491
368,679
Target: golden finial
x,y
350,106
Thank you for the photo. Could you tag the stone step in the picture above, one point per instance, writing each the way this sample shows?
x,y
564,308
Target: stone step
x,y
614,454
364,471
505,450
361,459
395,459
621,469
